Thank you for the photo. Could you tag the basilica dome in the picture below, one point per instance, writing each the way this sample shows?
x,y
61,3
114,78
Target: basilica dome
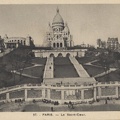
x,y
57,19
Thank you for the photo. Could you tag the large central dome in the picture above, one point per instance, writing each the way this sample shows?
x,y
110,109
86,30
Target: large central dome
x,y
58,19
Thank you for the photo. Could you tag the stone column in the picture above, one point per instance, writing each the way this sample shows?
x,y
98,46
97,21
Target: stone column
x,y
7,96
43,93
117,94
99,92
82,94
25,94
95,93
62,94
48,93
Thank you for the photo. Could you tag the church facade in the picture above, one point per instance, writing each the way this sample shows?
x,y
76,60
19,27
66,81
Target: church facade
x,y
59,39
58,34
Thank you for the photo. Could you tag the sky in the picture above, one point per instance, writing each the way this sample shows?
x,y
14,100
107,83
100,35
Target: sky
x,y
87,22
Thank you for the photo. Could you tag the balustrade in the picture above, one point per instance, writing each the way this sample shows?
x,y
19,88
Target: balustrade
x,y
88,94
108,91
55,94
77,92
16,94
34,93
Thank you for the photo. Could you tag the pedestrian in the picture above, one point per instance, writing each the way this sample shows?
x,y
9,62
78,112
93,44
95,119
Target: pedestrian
x,y
52,109
105,101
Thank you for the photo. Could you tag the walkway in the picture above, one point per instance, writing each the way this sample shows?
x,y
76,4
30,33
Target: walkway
x,y
104,73
101,74
49,68
35,65
79,68
90,63
113,105
26,75
5,52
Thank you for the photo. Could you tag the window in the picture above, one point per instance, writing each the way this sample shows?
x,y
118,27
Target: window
x,y
57,44
53,44
60,44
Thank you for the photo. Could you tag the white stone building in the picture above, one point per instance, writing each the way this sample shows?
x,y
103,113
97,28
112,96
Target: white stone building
x,y
58,35
59,39
14,42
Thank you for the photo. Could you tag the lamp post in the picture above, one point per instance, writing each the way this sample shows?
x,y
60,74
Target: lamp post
x,y
14,71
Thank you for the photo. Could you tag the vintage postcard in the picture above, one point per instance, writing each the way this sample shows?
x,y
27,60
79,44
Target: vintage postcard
x,y
59,60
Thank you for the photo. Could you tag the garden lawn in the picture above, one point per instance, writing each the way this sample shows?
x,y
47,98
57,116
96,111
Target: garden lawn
x,y
39,61
112,76
92,70
63,68
83,60
65,71
34,71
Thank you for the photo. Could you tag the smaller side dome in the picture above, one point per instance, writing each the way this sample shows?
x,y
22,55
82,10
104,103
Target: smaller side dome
x,y
5,36
66,29
28,36
50,28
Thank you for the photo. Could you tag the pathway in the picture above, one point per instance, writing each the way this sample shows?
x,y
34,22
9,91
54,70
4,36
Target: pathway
x,y
35,65
101,74
90,63
26,75
49,68
5,52
96,106
79,68
104,73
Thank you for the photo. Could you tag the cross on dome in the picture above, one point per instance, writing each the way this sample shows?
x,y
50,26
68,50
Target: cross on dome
x,y
57,10
57,19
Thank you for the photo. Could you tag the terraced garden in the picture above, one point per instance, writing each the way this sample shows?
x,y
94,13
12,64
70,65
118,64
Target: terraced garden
x,y
9,79
63,68
113,76
93,70
39,61
34,71
84,60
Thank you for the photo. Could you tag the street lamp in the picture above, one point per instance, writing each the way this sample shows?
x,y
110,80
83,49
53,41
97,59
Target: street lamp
x,y
14,71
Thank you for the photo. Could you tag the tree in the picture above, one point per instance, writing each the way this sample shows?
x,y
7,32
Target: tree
x,y
99,42
18,63
106,59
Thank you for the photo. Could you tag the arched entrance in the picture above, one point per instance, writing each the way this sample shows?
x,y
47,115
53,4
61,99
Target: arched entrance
x,y
51,55
60,55
68,55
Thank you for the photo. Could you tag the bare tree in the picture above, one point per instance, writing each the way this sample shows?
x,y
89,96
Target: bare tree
x,y
106,59
18,63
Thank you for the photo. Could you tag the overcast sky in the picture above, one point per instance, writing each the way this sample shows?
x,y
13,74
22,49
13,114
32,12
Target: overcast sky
x,y
87,23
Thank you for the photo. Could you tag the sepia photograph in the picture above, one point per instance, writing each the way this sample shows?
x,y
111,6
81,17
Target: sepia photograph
x,y
59,58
